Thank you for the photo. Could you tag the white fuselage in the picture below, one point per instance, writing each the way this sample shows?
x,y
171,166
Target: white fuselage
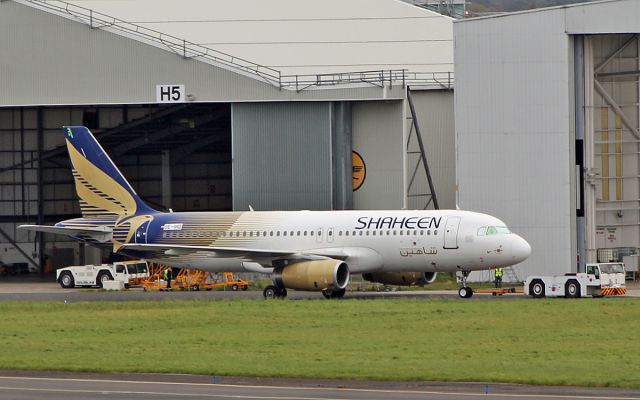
x,y
439,241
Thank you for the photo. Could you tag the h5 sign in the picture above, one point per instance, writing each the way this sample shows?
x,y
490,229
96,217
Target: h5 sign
x,y
170,94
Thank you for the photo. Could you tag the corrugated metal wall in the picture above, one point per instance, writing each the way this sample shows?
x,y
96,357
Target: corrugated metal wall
x,y
378,138
282,156
514,131
436,118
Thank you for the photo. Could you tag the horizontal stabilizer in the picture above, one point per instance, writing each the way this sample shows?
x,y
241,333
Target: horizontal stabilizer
x,y
99,233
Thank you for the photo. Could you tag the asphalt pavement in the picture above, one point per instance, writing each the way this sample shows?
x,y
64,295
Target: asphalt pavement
x,y
75,386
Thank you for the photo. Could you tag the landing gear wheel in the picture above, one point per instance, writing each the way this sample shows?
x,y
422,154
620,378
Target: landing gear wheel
x,y
333,294
103,277
465,291
572,290
537,289
66,280
272,292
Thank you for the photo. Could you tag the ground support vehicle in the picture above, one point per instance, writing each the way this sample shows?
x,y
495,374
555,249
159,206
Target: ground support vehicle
x,y
499,291
602,279
129,272
193,279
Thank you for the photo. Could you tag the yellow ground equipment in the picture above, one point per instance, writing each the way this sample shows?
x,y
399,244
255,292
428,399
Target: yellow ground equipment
x,y
193,279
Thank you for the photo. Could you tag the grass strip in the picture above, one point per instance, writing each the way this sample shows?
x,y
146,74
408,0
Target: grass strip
x,y
590,342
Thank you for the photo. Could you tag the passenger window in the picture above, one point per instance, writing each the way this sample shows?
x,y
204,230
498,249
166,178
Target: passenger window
x,y
311,233
278,233
435,232
284,233
298,234
291,233
305,233
374,233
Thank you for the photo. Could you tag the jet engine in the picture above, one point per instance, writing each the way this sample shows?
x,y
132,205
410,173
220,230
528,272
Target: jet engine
x,y
401,278
313,275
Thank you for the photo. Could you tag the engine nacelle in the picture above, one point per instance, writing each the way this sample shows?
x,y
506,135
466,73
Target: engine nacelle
x,y
313,275
401,278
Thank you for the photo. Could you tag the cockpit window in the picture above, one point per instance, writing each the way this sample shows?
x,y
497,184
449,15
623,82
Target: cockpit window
x,y
493,230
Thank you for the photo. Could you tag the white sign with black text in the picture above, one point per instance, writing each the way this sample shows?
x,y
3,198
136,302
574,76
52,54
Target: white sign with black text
x,y
170,94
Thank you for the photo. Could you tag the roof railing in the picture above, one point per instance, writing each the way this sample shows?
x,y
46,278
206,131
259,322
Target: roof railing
x,y
187,49
179,46
380,78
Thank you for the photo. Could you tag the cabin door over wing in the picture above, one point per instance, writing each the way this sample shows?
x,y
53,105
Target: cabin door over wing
x,y
451,233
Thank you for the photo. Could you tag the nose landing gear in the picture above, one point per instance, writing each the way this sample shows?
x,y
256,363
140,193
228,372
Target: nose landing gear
x,y
465,291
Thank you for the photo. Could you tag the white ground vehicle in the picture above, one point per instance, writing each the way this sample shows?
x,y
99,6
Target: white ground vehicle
x,y
130,272
603,279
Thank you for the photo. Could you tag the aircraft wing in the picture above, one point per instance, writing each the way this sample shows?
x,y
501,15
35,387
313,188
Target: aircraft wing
x,y
360,259
177,249
99,233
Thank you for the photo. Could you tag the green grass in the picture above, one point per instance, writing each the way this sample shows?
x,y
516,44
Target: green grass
x,y
554,341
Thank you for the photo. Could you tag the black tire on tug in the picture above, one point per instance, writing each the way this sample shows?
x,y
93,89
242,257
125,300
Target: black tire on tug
x,y
572,289
537,289
196,288
103,276
282,293
234,288
245,287
66,280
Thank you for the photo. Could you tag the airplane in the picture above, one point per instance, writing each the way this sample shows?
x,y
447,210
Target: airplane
x,y
301,250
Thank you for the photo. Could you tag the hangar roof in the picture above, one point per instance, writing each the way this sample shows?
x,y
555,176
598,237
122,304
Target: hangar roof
x,y
298,37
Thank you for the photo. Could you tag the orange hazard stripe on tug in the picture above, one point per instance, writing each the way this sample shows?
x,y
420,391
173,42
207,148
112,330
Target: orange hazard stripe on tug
x,y
613,291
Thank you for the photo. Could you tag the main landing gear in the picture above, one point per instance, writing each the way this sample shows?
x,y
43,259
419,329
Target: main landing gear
x,y
465,291
333,294
274,292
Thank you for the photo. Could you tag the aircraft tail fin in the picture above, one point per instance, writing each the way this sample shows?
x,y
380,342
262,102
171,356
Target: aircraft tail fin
x,y
103,190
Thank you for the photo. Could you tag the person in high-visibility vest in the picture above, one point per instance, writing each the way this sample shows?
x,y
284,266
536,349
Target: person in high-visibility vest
x,y
167,277
498,273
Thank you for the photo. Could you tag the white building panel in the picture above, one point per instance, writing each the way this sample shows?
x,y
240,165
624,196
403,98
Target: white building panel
x,y
513,120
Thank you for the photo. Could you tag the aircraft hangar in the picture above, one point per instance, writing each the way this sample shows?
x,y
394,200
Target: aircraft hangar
x,y
222,106
547,132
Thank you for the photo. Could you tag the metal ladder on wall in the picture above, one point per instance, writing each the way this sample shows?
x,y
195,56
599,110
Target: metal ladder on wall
x,y
421,193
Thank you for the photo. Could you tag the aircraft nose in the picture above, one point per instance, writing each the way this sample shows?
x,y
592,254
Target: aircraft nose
x,y
520,248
